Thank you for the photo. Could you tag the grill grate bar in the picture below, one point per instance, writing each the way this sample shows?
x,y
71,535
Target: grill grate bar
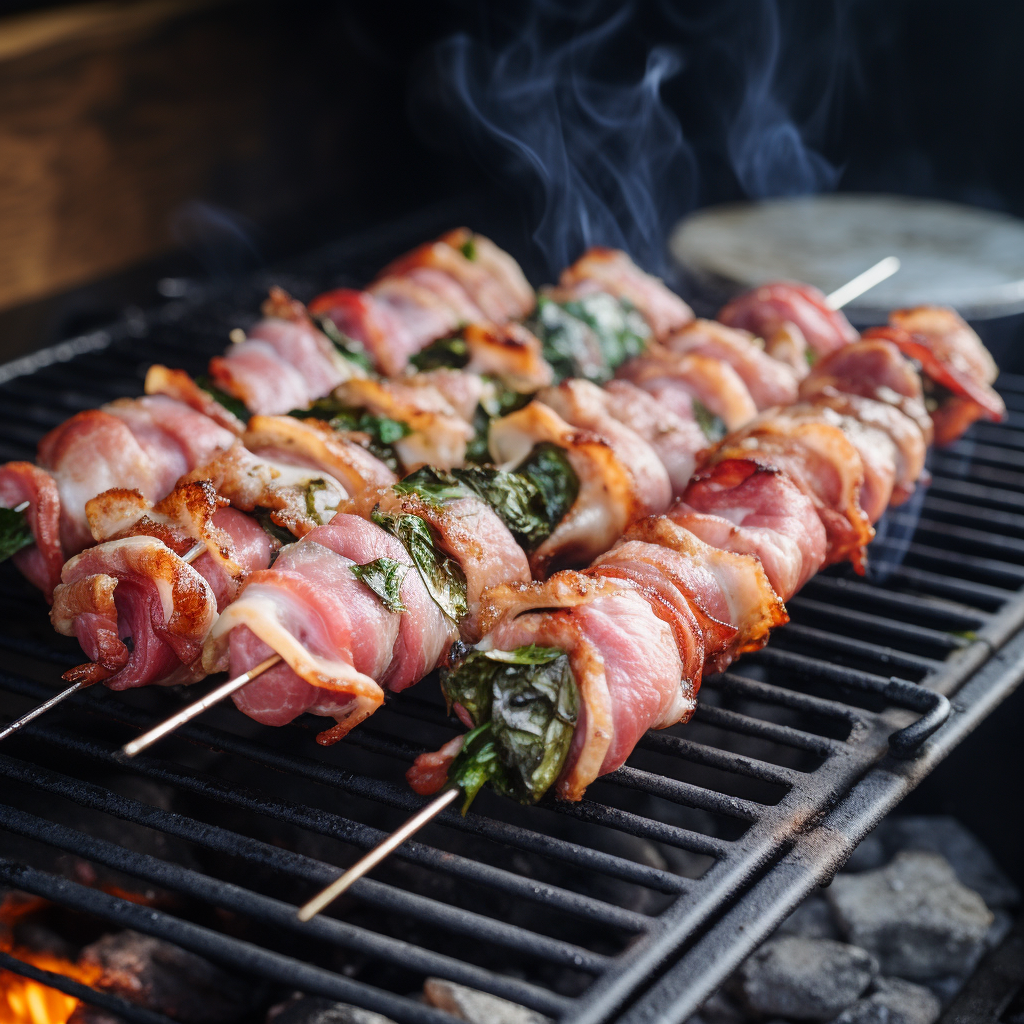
x,y
277,914
747,725
849,645
724,760
244,956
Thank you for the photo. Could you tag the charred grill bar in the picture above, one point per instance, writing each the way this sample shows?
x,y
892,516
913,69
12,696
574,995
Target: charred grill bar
x,y
791,758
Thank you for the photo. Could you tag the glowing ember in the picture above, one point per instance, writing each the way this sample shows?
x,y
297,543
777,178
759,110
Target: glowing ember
x,y
23,1001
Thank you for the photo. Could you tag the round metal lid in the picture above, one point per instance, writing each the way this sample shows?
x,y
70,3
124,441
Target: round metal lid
x,y
951,255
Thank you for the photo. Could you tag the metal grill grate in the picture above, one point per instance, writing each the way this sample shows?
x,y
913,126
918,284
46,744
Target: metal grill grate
x,y
631,905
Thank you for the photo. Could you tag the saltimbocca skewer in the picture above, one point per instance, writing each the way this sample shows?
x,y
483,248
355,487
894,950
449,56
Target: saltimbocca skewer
x,y
573,670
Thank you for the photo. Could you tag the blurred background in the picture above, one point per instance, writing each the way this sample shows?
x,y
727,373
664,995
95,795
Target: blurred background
x,y
147,143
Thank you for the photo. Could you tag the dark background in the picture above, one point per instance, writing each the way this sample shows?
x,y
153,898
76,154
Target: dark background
x,y
203,139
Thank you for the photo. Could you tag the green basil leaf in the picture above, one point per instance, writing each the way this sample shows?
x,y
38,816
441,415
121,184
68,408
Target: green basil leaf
x,y
311,490
444,579
434,485
811,356
384,576
468,249
548,468
232,404
528,699
15,533
569,344
476,763
712,426
478,451
382,431
443,354
347,347
621,331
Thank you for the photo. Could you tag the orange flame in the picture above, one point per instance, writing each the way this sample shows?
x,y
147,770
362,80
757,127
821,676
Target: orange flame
x,y
22,1000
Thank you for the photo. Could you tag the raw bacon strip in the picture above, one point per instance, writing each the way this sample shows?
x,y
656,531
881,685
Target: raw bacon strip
x,y
256,374
676,380
177,384
951,355
509,352
41,562
875,447
875,369
466,529
500,265
439,434
423,313
823,463
774,308
610,496
769,381
336,637
310,443
462,391
675,440
134,588
725,589
612,271
739,505
623,656
236,545
372,323
586,406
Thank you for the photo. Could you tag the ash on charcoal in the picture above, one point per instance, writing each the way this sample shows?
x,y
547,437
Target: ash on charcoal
x,y
893,1001
168,979
477,1007
944,835
813,919
914,915
314,1010
804,979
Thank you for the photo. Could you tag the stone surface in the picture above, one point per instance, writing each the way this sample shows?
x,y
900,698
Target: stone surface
x,y
804,979
313,1010
913,915
894,1001
936,833
477,1007
813,919
163,977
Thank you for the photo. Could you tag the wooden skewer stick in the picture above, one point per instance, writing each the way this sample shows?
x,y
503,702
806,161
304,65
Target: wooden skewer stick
x,y
863,282
190,556
370,860
147,739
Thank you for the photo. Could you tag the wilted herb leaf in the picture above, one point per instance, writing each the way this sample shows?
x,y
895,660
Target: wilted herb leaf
x,y
569,344
347,347
15,533
528,697
548,468
476,763
443,354
468,249
384,576
233,405
712,426
278,533
382,431
621,331
444,579
311,491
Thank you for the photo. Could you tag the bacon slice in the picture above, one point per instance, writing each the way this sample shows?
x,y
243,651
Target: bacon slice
x,y
439,434
336,637
372,323
177,384
676,380
739,505
236,545
134,588
823,463
612,271
509,352
769,381
610,495
623,656
951,355
462,391
41,562
585,405
772,308
500,265
875,369
675,440
256,374
466,529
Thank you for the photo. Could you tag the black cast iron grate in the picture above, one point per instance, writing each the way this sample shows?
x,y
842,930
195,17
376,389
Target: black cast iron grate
x,y
629,906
